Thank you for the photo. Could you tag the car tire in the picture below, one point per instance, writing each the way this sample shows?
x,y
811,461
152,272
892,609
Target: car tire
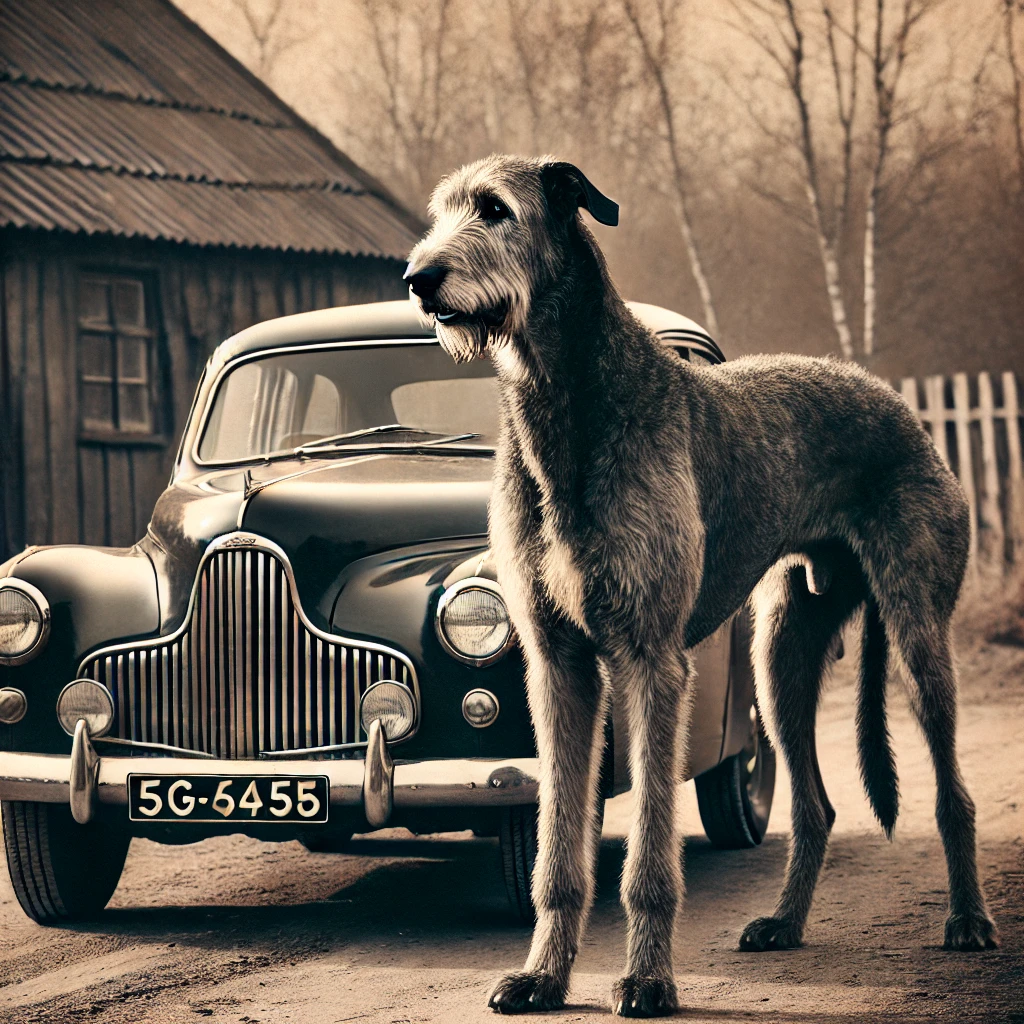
x,y
735,798
60,870
517,838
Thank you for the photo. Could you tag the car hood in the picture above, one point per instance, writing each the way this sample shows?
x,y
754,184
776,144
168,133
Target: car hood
x,y
324,514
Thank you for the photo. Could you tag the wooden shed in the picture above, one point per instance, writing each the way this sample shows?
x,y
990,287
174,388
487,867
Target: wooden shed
x,y
155,197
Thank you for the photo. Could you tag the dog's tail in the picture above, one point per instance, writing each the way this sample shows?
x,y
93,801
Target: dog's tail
x,y
877,764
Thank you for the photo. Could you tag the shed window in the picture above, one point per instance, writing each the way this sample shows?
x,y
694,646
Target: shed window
x,y
115,356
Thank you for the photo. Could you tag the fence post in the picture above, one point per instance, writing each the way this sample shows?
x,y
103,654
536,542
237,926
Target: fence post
x,y
935,413
962,419
908,389
991,515
1011,413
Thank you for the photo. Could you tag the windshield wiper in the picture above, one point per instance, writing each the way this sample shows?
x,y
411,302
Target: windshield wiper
x,y
385,428
343,442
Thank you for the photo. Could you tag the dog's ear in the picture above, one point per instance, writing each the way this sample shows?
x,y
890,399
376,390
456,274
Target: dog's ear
x,y
568,188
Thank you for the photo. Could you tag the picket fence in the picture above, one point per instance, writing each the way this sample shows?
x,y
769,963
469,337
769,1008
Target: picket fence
x,y
976,426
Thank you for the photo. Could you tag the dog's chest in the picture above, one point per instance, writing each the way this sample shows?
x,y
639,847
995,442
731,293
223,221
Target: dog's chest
x,y
556,549
561,573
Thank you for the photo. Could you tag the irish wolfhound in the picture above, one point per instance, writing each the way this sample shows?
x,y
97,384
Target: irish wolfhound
x,y
638,502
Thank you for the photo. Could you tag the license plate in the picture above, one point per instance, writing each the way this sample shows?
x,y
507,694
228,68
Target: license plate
x,y
262,798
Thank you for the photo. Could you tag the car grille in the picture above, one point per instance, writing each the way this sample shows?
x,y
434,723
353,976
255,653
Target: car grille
x,y
246,674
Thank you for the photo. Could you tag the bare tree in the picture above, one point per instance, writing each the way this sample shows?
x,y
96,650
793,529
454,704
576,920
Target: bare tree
x,y
270,32
888,60
803,38
661,57
411,108
778,28
1012,9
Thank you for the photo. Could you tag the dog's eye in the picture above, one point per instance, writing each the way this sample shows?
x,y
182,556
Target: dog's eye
x,y
493,209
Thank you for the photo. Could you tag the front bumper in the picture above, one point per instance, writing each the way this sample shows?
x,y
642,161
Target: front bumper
x,y
85,779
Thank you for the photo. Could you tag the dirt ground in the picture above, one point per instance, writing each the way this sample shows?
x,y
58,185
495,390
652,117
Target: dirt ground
x,y
415,930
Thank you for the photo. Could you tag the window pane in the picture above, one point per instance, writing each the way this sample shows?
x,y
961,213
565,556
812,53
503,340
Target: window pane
x,y
129,307
97,407
92,301
94,355
133,409
131,360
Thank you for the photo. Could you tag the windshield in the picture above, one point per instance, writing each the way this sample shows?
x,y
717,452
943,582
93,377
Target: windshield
x,y
271,406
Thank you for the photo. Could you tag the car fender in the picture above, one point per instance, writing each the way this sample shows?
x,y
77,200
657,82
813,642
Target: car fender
x,y
96,595
108,593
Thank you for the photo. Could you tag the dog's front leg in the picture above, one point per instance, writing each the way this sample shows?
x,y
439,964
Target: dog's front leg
x,y
567,705
655,693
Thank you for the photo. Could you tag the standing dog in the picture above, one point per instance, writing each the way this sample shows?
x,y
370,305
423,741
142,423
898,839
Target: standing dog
x,y
638,502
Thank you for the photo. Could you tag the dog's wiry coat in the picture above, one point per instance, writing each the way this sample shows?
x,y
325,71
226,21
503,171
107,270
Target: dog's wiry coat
x,y
638,502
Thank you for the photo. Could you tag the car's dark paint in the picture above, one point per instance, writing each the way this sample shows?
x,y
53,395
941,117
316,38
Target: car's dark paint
x,y
68,577
346,509
384,596
373,540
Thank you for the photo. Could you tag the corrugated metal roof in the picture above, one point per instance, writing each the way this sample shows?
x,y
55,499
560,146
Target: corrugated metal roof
x,y
112,134
97,202
141,49
123,117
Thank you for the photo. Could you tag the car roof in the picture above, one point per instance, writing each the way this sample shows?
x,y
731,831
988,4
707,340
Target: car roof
x,y
400,319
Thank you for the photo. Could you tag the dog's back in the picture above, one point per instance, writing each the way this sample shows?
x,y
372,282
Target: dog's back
x,y
806,450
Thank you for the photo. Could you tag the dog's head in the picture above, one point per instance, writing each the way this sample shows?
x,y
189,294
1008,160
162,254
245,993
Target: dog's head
x,y
496,242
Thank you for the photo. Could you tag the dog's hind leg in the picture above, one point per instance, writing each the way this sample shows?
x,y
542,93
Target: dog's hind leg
x,y
568,705
928,657
795,637
915,555
656,692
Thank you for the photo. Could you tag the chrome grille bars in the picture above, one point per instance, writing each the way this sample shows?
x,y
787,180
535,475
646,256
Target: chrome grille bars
x,y
247,674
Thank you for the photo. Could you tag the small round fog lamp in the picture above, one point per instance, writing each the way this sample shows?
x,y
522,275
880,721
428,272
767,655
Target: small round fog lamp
x,y
13,705
393,704
84,698
480,708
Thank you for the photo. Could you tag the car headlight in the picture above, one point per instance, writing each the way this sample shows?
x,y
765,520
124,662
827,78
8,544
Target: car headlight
x,y
472,621
393,704
24,621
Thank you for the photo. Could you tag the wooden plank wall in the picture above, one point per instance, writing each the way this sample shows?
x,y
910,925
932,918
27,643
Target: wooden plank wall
x,y
54,489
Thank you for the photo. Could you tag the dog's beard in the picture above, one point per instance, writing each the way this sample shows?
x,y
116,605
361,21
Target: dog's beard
x,y
464,341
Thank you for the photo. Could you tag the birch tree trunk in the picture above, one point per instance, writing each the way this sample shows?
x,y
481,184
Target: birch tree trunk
x,y
887,63
869,269
696,265
833,281
656,60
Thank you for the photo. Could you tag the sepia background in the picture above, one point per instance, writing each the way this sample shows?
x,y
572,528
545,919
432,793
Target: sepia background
x,y
839,177
820,176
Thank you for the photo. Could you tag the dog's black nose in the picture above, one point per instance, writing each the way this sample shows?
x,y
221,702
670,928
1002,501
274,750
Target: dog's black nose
x,y
425,282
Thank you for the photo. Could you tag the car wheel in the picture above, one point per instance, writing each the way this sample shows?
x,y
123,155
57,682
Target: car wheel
x,y
518,841
317,842
735,798
61,870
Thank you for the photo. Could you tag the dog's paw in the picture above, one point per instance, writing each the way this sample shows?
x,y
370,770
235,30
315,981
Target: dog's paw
x,y
644,997
970,931
770,933
527,992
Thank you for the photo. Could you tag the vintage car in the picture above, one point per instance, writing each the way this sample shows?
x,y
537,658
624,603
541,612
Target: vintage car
x,y
310,641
